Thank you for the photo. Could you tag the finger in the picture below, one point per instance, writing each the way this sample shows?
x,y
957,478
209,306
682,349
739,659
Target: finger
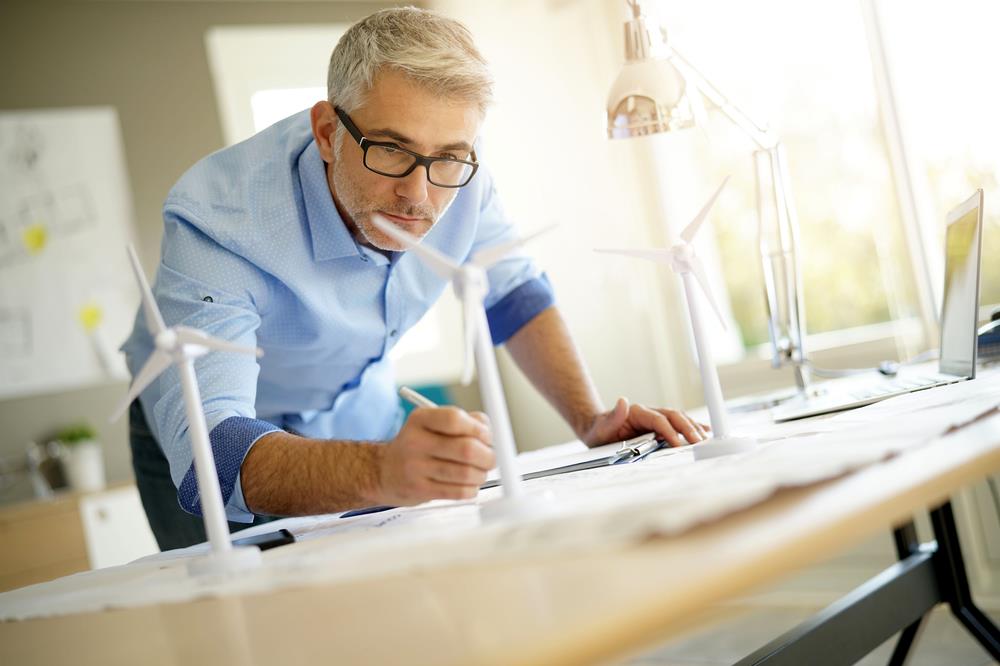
x,y
467,451
452,421
445,471
643,418
451,491
683,425
609,426
482,417
705,427
620,410
697,428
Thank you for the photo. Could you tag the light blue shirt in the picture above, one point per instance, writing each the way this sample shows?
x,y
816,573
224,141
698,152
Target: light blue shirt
x,y
254,251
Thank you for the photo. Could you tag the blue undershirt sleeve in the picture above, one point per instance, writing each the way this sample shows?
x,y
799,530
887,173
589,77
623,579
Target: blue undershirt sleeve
x,y
230,440
524,303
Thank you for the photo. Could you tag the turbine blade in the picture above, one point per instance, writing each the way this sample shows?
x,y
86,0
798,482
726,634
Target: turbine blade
x,y
157,363
692,229
658,255
154,322
491,255
699,273
437,262
192,336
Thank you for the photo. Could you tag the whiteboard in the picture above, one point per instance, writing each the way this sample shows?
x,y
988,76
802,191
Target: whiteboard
x,y
66,296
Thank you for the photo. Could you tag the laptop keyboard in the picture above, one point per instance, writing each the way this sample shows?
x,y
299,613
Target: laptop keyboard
x,y
896,386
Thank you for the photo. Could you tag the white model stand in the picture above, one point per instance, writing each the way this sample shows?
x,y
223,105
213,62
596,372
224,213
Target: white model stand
x,y
682,260
471,286
180,345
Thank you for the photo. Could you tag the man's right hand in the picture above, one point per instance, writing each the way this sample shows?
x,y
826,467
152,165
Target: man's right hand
x,y
440,453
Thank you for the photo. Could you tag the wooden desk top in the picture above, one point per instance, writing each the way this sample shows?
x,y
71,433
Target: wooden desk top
x,y
587,608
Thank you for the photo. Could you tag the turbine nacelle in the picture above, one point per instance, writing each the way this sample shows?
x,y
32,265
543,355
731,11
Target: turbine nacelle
x,y
683,258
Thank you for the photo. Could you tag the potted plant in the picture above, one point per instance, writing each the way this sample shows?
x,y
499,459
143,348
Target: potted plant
x,y
82,458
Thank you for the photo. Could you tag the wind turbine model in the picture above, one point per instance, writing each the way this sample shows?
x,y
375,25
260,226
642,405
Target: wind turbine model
x,y
683,260
471,286
180,345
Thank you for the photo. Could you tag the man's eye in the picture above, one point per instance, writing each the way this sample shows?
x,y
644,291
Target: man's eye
x,y
390,149
449,156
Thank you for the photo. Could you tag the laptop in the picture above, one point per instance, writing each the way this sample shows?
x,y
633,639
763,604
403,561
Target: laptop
x,y
959,315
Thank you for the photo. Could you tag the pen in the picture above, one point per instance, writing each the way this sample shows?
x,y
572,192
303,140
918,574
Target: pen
x,y
414,398
417,400
635,448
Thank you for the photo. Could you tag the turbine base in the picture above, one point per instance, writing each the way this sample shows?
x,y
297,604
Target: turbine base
x,y
524,507
724,446
237,560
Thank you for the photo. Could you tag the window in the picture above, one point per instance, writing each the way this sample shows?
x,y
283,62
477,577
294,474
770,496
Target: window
x,y
814,86
270,106
264,73
943,63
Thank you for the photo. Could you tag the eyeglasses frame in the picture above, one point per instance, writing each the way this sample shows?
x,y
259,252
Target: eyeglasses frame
x,y
420,160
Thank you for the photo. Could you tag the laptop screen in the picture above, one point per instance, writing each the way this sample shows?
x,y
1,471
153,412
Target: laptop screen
x,y
960,307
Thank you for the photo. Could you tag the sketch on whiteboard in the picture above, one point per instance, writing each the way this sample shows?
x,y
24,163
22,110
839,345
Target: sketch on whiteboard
x,y
42,216
15,333
65,218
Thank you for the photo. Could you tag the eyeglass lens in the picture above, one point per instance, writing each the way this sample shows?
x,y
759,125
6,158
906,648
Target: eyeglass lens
x,y
393,162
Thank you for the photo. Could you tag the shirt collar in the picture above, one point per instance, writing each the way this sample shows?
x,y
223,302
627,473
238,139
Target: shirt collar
x,y
331,238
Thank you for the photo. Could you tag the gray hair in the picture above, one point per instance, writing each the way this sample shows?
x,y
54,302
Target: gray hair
x,y
431,50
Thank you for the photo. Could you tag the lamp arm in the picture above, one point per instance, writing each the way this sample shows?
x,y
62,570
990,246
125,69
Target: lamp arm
x,y
762,138
781,271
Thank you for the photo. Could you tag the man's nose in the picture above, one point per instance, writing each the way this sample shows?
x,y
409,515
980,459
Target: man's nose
x,y
413,187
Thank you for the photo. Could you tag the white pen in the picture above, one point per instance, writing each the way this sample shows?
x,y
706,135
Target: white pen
x,y
414,398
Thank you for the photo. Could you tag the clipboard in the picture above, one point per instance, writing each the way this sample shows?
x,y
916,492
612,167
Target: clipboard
x,y
628,451
631,450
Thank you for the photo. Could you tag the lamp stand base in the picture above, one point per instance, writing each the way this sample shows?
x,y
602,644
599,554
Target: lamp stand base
x,y
723,446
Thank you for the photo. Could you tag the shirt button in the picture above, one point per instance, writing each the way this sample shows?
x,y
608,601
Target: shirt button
x,y
364,257
392,333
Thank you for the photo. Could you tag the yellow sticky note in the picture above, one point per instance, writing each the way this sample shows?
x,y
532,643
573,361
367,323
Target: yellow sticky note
x,y
90,316
35,236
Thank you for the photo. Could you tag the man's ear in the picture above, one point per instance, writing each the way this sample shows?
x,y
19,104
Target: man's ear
x,y
324,127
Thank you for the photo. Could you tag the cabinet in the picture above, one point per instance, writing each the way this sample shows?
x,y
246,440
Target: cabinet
x,y
45,539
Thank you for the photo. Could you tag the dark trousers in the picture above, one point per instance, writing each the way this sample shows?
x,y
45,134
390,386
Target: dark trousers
x,y
172,526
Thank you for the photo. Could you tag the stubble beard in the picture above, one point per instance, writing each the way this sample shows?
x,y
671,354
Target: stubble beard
x,y
359,207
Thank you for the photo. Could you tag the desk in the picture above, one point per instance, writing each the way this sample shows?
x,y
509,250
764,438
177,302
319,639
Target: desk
x,y
550,610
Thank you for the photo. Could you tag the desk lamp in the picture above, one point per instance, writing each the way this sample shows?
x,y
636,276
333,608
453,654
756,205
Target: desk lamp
x,y
658,90
683,260
471,286
181,345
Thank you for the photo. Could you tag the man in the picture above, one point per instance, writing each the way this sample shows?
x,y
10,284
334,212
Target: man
x,y
270,243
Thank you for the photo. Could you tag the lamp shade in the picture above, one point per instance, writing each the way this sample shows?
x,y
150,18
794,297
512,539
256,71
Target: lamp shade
x,y
648,97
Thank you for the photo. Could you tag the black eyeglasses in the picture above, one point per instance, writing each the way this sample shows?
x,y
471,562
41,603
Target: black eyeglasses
x,y
394,161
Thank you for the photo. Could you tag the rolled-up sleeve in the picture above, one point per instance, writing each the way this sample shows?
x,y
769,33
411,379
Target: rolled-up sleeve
x,y
201,285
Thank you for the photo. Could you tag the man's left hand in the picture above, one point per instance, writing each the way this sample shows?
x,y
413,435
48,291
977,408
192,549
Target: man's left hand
x,y
625,421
